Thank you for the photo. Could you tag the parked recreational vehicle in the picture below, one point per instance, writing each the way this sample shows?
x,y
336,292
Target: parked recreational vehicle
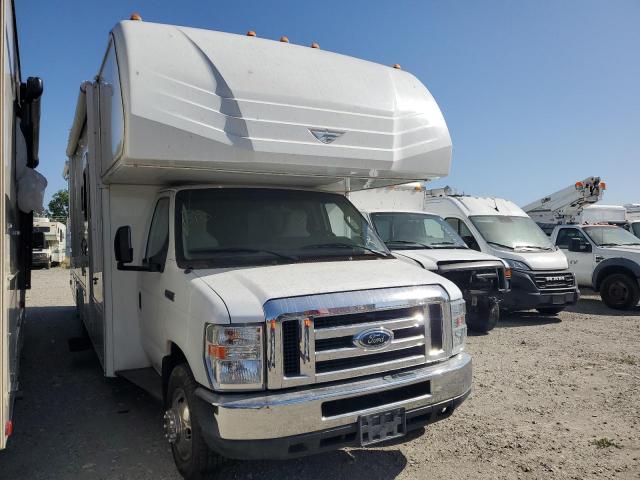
x,y
21,191
397,214
258,302
540,275
49,242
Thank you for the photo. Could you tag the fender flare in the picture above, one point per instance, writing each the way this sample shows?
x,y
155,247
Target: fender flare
x,y
619,262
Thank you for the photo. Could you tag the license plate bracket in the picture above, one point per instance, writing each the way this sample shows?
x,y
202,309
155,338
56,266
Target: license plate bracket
x,y
558,299
379,427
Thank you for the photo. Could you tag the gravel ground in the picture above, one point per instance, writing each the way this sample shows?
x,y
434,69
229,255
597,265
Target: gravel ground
x,y
553,398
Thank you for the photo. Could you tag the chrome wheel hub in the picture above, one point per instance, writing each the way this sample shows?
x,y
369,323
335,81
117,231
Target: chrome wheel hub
x,y
177,425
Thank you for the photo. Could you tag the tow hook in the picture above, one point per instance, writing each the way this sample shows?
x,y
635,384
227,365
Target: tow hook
x,y
172,426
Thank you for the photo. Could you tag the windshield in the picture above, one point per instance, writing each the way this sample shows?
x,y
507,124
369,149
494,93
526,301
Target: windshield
x,y
513,233
240,226
405,230
37,241
611,236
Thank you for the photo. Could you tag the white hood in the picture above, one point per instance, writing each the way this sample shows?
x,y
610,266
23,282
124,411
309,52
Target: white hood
x,y
631,252
543,260
246,290
429,258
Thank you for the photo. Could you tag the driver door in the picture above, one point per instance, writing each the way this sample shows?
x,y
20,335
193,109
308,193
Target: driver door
x,y
580,263
151,294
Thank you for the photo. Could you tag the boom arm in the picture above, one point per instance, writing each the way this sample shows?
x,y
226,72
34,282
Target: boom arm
x,y
565,205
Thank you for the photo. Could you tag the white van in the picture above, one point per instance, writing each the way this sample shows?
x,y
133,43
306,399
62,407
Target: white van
x,y
217,262
541,278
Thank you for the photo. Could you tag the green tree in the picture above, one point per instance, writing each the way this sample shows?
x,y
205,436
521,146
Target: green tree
x,y
59,204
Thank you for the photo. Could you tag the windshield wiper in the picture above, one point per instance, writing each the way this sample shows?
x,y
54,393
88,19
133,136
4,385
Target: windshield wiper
x,y
409,242
500,245
534,246
253,250
346,245
448,245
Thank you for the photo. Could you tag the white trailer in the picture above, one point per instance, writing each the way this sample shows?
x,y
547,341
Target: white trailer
x,y
219,263
565,206
49,242
21,190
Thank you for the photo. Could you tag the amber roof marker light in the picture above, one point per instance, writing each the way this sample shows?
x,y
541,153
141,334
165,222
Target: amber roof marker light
x,y
251,33
284,39
135,17
315,45
397,66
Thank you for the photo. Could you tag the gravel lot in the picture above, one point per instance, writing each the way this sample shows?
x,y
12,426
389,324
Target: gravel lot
x,y
553,398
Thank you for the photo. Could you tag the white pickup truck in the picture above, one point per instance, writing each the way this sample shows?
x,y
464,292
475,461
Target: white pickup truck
x,y
259,304
605,258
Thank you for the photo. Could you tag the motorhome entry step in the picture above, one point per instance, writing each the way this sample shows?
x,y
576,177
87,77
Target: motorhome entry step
x,y
145,378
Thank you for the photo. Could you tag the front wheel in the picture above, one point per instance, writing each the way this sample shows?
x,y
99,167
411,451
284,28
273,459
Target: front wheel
x,y
620,291
549,310
193,458
485,317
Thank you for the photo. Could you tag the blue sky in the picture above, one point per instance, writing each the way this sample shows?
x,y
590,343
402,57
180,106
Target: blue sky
x,y
536,94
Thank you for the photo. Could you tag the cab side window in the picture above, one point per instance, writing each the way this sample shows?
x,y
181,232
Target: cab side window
x,y
158,241
461,229
566,234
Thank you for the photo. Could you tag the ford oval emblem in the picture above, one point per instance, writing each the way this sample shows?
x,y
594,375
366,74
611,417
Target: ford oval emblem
x,y
373,339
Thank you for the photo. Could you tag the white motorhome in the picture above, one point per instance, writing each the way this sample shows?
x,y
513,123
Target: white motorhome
x,y
21,191
397,214
540,276
49,242
258,302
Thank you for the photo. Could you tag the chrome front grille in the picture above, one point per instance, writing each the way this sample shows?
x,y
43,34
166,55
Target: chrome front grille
x,y
311,339
554,281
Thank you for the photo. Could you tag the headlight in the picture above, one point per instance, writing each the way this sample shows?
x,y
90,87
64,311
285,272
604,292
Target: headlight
x,y
516,265
233,356
458,325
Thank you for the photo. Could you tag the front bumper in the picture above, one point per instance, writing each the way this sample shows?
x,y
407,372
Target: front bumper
x,y
525,294
296,422
39,260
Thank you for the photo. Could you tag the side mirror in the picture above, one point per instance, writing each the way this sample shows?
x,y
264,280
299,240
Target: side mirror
x,y
30,93
122,246
579,246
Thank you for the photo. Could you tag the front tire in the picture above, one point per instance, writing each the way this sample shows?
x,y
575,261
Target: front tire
x,y
549,310
193,458
620,291
485,318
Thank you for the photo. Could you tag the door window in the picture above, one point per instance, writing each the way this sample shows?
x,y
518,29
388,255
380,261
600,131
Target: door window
x,y
158,242
566,234
461,229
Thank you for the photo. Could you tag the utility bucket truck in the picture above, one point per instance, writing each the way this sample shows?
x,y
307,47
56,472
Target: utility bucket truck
x,y
566,205
220,263
603,257
21,192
